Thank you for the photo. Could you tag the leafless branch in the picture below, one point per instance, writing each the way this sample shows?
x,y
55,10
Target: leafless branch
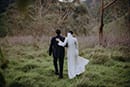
x,y
109,4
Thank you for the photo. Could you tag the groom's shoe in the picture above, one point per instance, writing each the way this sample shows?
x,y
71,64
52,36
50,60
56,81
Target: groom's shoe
x,y
56,73
60,77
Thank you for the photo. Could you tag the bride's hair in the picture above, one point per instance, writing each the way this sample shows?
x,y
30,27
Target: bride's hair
x,y
71,32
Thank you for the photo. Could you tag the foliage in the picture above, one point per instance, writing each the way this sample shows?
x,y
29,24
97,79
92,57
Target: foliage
x,y
46,16
1,54
81,9
120,8
41,17
3,25
30,65
23,4
3,60
2,80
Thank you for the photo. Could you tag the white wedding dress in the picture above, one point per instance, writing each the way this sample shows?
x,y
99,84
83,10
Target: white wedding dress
x,y
76,64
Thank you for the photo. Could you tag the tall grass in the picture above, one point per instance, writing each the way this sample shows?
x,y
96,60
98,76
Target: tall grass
x,y
30,66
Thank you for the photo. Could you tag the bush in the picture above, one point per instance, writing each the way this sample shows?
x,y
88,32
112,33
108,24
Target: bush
x,y
16,84
28,80
2,80
3,61
3,28
28,67
81,9
99,59
121,58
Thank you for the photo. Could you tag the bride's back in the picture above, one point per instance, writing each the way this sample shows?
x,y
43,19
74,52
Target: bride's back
x,y
71,42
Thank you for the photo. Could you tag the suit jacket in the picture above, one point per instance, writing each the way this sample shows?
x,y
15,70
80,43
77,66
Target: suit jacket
x,y
55,49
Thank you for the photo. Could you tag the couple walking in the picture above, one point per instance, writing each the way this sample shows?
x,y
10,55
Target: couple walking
x,y
76,64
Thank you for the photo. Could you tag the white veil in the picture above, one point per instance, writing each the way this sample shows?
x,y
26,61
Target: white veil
x,y
69,35
70,38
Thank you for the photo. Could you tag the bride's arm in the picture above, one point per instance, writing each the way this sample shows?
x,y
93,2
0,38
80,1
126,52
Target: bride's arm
x,y
76,43
76,46
63,43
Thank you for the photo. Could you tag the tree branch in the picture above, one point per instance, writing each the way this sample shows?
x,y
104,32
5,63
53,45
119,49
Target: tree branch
x,y
109,4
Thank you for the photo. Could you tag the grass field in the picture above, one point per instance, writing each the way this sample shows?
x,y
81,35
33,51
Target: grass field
x,y
30,66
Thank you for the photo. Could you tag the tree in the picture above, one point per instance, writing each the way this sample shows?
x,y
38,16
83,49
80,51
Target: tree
x,y
22,5
2,80
1,55
129,14
3,30
102,8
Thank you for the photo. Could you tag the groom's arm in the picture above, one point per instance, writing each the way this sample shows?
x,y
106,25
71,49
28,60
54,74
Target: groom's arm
x,y
62,43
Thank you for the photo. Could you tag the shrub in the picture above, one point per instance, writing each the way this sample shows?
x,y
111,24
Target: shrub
x,y
121,58
3,61
29,80
99,59
16,84
2,80
81,9
3,28
28,67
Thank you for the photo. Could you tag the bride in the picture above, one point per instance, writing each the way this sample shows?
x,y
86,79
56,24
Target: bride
x,y
76,64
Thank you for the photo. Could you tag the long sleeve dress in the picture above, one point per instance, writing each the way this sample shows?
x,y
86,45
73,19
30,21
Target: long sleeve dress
x,y
76,64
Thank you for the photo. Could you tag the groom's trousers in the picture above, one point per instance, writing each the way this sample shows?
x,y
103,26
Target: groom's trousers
x,y
61,63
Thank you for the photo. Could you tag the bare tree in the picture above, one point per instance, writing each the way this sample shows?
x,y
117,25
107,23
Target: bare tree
x,y
68,10
102,8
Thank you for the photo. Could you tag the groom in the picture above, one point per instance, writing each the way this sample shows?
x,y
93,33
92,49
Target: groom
x,y
58,53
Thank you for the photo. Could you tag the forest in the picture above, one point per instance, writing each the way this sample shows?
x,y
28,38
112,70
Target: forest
x,y
102,28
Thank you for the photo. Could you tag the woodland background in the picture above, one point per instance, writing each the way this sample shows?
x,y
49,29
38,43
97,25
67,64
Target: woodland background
x,y
26,27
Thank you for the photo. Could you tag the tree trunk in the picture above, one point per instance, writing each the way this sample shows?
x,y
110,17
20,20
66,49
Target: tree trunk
x,y
2,80
1,54
102,8
129,14
101,24
39,9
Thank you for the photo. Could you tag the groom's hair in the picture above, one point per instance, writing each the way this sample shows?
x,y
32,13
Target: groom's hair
x,y
71,32
58,32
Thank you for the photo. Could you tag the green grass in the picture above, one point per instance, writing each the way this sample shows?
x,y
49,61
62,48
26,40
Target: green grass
x,y
30,66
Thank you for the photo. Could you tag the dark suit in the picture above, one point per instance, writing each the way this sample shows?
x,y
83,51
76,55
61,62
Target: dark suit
x,y
58,54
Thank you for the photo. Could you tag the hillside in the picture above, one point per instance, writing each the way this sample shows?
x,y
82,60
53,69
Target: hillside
x,y
45,18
